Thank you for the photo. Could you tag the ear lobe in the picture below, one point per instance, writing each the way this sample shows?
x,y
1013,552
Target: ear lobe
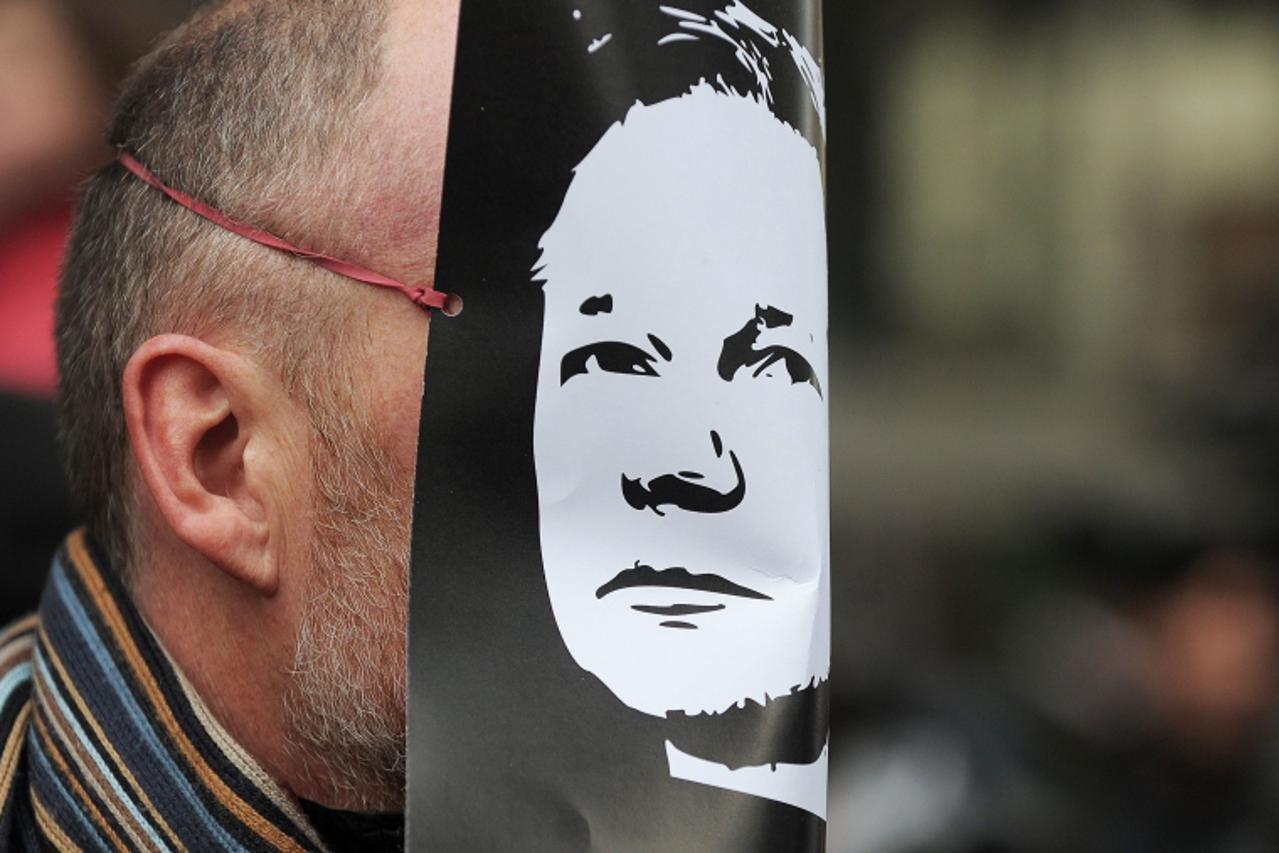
x,y
188,406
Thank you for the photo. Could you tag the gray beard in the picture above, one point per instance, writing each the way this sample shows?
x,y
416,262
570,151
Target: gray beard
x,y
345,708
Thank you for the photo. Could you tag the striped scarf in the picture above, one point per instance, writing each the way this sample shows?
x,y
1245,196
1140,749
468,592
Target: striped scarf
x,y
104,745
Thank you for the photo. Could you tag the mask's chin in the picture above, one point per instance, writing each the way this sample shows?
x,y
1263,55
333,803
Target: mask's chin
x,y
788,729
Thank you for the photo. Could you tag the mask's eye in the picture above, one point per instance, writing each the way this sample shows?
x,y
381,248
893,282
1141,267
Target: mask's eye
x,y
608,356
797,368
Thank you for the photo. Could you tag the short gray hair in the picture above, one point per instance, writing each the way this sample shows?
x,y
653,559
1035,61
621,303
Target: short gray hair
x,y
245,107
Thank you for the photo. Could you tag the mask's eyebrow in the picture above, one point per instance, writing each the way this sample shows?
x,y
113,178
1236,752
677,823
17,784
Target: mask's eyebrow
x,y
771,322
597,305
772,318
742,349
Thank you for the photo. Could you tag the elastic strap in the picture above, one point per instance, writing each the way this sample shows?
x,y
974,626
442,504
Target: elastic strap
x,y
425,297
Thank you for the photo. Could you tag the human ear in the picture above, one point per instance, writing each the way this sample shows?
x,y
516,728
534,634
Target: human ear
x,y
191,410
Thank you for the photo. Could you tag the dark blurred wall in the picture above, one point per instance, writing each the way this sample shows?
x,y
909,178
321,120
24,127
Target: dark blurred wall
x,y
34,513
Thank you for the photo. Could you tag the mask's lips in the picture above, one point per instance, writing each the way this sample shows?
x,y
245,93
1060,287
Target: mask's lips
x,y
676,577
677,609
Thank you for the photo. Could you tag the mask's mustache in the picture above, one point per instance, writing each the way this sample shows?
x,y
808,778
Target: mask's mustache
x,y
676,577
681,491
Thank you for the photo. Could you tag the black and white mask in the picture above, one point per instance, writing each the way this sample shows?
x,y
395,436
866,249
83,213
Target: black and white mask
x,y
680,431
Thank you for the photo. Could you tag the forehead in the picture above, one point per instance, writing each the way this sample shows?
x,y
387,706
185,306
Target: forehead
x,y
705,198
402,135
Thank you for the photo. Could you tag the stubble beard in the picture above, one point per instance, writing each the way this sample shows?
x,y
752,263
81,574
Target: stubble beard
x,y
345,707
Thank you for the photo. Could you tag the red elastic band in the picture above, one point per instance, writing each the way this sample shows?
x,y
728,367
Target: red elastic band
x,y
425,297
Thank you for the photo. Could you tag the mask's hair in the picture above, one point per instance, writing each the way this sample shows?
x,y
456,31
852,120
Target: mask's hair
x,y
718,47
722,43
247,107
763,53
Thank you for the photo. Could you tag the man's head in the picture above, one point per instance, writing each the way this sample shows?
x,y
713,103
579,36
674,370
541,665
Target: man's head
x,y
239,426
680,430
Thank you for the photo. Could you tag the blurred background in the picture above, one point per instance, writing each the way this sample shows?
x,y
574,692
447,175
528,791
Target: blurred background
x,y
60,64
1054,238
1055,321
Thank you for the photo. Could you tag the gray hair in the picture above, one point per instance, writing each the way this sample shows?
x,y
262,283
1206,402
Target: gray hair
x,y
246,107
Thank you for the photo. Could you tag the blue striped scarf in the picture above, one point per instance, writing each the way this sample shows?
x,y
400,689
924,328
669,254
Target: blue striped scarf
x,y
103,744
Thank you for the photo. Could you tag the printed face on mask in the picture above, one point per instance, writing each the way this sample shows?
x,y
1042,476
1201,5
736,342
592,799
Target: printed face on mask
x,y
680,433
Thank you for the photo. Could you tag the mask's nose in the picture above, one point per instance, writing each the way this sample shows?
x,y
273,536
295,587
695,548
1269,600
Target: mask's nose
x,y
691,491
